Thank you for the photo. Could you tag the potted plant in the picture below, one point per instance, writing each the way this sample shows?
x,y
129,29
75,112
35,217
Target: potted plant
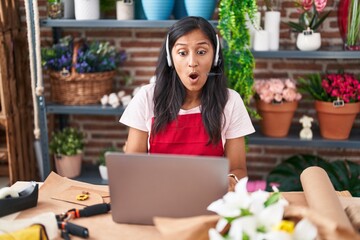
x,y
349,23
276,103
102,163
239,61
337,102
310,19
81,72
67,146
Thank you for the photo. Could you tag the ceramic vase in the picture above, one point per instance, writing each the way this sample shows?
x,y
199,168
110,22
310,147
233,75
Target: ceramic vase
x,y
201,8
179,9
68,166
272,26
308,41
158,9
139,10
124,10
336,122
103,172
87,9
276,118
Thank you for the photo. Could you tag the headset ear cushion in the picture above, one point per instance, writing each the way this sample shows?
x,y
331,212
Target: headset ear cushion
x,y
168,58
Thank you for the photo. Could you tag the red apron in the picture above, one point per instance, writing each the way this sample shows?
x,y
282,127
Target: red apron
x,y
185,135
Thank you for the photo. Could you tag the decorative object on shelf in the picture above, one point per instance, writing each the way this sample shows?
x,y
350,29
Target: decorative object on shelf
x,y
81,73
306,132
158,9
102,163
55,9
337,102
253,27
67,146
258,215
69,9
261,40
179,10
309,21
201,8
272,24
87,9
124,9
308,40
276,103
238,59
343,174
349,23
139,10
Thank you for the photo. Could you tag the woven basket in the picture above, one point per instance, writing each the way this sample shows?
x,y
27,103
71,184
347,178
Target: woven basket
x,y
80,88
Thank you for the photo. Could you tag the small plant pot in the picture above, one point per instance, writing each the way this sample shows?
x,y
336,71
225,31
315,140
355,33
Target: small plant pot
x,y
103,172
308,41
68,166
336,122
276,118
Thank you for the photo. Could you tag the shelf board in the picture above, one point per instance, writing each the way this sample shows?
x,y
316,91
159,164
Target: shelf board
x,y
330,53
83,109
293,140
110,23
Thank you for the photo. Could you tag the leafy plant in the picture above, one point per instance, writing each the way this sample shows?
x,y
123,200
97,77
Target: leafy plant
x,y
101,159
91,56
353,31
331,87
68,141
310,17
107,5
343,174
239,61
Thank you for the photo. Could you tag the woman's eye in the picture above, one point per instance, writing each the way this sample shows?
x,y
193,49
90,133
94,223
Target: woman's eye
x,y
182,53
201,52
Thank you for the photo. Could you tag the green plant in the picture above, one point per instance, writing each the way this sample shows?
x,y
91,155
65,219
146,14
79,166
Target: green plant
x,y
68,141
331,87
239,61
310,17
101,159
107,5
353,31
343,174
96,56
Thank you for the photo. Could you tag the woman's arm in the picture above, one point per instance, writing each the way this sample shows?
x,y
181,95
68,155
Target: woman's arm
x,y
235,152
137,141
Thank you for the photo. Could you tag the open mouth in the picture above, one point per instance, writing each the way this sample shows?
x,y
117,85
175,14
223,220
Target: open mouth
x,y
193,75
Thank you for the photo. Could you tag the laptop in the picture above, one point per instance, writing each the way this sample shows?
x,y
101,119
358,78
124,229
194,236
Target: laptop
x,y
143,186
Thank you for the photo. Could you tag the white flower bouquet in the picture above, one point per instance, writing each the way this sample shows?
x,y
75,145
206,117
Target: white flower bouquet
x,y
256,216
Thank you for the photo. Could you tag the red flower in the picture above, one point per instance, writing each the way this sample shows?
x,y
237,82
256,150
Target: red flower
x,y
342,86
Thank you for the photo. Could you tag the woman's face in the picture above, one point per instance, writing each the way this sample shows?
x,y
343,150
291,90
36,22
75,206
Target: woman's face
x,y
192,57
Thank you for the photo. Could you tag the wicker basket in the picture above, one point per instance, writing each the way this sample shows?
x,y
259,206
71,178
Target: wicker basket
x,y
80,88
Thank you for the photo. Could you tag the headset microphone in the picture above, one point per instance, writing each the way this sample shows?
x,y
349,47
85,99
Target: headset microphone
x,y
213,74
216,58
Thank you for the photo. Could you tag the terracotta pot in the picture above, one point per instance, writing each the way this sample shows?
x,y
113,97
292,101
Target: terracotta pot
x,y
276,118
68,166
336,122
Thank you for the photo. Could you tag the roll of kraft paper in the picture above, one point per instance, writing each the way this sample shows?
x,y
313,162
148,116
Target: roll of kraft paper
x,y
321,196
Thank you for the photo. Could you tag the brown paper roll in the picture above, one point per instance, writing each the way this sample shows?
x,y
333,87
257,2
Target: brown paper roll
x,y
321,196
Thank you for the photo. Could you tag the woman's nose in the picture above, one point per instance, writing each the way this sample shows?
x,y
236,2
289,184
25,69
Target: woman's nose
x,y
193,61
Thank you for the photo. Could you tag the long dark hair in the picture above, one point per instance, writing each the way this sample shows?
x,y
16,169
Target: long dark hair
x,y
169,94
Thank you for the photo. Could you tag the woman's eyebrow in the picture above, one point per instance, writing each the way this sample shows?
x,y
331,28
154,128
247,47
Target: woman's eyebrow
x,y
199,43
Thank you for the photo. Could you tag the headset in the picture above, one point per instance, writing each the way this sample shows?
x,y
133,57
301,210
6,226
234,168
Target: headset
x,y
216,59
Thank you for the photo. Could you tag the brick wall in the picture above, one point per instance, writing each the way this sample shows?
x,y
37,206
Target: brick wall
x,y
142,46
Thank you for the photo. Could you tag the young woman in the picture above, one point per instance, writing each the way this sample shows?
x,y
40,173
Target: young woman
x,y
189,109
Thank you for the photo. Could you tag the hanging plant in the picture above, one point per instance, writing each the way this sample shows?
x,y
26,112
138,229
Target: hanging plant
x,y
239,61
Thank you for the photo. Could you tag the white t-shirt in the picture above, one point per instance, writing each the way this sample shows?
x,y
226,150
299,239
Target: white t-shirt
x,y
140,111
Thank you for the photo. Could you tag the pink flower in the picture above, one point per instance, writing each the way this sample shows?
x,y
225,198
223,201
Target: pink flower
x,y
342,86
320,5
276,90
306,4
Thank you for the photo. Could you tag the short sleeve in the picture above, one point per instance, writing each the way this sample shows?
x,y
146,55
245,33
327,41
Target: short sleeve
x,y
136,114
238,122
